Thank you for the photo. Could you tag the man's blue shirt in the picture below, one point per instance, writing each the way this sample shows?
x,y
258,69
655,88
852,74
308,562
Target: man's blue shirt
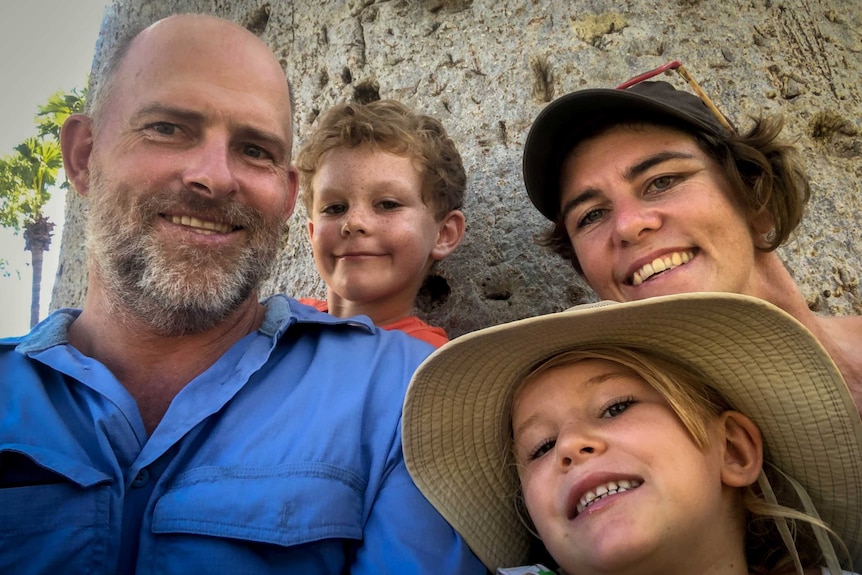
x,y
283,457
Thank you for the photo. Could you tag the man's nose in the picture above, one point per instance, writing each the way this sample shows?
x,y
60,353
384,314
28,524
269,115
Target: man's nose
x,y
209,170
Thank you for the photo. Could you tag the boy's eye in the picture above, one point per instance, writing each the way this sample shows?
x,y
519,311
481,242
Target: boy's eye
x,y
334,209
389,204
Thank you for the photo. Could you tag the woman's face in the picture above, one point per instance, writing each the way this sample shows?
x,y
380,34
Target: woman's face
x,y
649,213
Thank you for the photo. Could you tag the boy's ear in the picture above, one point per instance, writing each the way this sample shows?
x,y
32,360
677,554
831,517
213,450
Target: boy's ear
x,y
76,142
310,225
449,234
743,450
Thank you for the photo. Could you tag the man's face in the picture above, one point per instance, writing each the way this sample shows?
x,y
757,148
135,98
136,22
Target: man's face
x,y
190,177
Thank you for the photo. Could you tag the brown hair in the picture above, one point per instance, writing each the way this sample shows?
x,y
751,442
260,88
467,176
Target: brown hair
x,y
390,126
766,177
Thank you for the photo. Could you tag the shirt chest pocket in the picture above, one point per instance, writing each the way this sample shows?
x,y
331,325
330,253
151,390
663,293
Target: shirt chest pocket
x,y
283,505
51,503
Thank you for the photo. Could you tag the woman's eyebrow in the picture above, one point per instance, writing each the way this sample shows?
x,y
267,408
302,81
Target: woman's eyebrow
x,y
654,160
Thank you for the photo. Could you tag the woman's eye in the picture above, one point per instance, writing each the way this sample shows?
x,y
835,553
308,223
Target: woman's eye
x,y
617,407
662,182
590,217
544,447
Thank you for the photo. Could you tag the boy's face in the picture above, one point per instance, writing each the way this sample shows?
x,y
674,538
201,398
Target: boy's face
x,y
611,476
373,237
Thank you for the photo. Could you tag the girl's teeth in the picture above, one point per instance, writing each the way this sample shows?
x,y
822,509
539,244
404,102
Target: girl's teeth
x,y
601,491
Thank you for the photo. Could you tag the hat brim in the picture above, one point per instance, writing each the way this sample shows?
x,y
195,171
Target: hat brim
x,y
558,124
457,408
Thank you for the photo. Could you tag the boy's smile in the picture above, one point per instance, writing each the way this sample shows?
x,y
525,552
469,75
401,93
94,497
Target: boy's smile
x,y
372,236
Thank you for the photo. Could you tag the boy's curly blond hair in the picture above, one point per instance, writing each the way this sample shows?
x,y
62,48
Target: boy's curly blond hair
x,y
389,126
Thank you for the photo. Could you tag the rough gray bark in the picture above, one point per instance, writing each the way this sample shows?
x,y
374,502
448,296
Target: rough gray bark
x,y
487,67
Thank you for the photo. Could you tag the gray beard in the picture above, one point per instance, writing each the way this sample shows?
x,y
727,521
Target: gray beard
x,y
176,289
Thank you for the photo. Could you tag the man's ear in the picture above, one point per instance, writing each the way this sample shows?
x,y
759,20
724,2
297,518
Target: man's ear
x,y
449,235
743,450
76,142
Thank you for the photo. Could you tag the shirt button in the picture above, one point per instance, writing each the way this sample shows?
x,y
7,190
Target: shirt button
x,y
142,478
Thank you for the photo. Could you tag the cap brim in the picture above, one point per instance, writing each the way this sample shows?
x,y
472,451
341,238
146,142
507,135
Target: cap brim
x,y
557,125
457,408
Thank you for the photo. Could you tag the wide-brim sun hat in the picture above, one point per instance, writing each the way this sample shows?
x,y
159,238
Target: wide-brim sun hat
x,y
457,411
558,126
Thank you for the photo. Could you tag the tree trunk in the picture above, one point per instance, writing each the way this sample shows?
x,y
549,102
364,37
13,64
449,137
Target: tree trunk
x,y
36,287
486,68
37,240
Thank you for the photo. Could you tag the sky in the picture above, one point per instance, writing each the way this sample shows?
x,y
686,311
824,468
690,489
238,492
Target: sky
x,y
45,46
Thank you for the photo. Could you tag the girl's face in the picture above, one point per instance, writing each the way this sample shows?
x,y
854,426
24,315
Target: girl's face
x,y
612,479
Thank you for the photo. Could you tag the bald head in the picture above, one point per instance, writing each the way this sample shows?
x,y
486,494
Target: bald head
x,y
195,44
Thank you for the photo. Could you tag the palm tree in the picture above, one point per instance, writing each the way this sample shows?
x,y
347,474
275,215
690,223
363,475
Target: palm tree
x,y
59,106
25,181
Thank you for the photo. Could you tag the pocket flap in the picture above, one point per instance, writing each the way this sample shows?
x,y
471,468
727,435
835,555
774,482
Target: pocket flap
x,y
284,505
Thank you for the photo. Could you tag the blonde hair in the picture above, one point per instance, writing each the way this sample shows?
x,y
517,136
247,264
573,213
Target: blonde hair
x,y
390,126
777,536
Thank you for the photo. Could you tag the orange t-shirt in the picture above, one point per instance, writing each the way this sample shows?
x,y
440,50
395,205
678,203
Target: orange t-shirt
x,y
411,325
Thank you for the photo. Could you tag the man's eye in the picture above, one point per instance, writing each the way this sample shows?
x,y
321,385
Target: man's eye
x,y
164,128
256,152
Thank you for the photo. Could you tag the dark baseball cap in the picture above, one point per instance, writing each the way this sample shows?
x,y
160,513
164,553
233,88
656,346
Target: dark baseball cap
x,y
566,120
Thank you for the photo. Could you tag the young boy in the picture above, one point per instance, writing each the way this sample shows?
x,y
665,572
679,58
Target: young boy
x,y
382,187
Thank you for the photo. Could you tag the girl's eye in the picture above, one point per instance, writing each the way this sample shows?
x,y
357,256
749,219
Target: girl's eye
x,y
544,447
617,407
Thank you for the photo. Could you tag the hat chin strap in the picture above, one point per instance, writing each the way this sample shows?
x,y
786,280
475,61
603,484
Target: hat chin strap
x,y
820,533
